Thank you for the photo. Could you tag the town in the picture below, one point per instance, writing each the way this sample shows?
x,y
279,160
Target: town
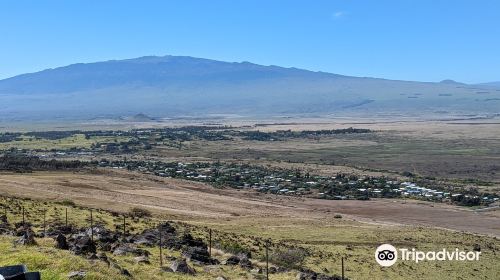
x,y
281,181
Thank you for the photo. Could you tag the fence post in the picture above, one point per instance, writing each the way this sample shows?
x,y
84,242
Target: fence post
x,y
161,254
267,260
44,222
24,224
124,227
91,227
210,242
66,217
342,268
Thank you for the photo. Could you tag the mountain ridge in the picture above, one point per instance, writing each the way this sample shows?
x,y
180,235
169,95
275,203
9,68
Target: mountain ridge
x,y
174,85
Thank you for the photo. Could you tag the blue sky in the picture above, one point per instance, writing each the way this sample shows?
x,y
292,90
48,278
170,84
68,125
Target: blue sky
x,y
409,40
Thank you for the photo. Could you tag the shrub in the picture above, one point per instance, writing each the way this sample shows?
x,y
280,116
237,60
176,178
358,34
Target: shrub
x,y
68,202
292,258
337,216
139,212
232,247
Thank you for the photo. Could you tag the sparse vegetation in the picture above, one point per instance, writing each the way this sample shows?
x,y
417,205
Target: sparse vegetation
x,y
138,212
318,163
292,258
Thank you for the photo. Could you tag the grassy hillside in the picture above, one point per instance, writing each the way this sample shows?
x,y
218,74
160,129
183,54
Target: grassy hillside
x,y
325,243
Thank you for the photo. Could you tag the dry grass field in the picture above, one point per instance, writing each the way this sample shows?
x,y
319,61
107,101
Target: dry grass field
x,y
186,200
307,222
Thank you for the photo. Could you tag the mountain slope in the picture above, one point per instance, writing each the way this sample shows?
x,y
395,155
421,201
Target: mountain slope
x,y
176,85
491,84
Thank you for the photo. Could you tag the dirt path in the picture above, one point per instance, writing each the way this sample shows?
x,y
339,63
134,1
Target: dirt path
x,y
183,199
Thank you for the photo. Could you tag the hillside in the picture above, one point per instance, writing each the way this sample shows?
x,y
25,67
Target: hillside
x,y
174,85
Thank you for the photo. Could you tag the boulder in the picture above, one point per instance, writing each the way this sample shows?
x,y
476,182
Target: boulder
x,y
188,240
166,228
122,270
151,237
28,238
198,254
244,255
148,237
477,247
166,269
306,274
246,263
233,260
77,275
181,266
4,225
102,234
256,270
326,277
54,230
82,245
142,259
61,242
122,249
102,257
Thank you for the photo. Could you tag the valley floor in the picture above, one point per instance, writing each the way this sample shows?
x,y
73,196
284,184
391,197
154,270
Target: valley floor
x,y
186,200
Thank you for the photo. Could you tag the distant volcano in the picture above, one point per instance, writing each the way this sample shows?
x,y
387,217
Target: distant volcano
x,y
178,85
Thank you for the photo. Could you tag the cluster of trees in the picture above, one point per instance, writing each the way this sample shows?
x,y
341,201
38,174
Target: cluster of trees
x,y
52,135
22,163
466,200
9,137
287,134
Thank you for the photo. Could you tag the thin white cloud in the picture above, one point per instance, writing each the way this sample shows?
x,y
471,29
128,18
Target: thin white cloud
x,y
339,14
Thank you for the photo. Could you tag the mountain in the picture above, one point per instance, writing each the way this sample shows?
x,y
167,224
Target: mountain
x,y
451,82
178,86
138,118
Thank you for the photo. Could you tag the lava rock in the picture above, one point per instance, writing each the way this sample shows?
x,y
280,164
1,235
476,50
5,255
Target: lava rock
x,y
28,238
61,242
102,257
233,260
477,247
76,275
142,259
82,244
181,266
122,270
246,263
198,254
123,249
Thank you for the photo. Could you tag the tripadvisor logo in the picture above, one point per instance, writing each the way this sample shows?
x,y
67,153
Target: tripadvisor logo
x,y
387,255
